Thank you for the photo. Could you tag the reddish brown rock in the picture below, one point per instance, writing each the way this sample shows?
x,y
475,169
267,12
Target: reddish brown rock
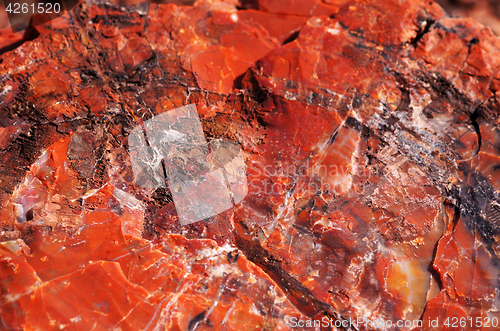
x,y
486,12
371,145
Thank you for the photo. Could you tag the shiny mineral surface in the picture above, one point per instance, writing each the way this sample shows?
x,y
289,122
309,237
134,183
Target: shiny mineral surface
x,y
369,132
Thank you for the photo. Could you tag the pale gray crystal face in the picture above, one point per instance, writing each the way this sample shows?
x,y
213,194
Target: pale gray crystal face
x,y
204,179
228,155
146,163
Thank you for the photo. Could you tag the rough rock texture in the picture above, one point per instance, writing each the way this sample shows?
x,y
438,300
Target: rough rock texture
x,y
371,139
486,12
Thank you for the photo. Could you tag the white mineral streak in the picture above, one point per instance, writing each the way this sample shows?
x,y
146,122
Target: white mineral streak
x,y
5,90
335,30
127,199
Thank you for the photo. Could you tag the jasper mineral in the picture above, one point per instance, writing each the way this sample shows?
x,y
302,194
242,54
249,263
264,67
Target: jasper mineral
x,y
369,134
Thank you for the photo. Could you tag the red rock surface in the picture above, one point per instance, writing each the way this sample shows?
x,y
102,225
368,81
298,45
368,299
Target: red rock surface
x,y
370,133
486,12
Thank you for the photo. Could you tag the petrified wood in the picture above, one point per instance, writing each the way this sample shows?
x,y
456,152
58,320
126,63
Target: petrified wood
x,y
370,135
